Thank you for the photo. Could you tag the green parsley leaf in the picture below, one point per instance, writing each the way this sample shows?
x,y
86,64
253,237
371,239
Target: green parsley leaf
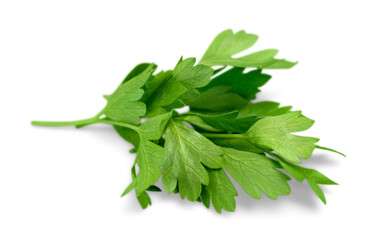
x,y
149,159
255,172
197,122
312,176
275,133
264,109
138,69
123,104
228,122
184,78
220,190
154,83
154,127
217,100
227,44
245,85
150,156
143,198
129,135
187,151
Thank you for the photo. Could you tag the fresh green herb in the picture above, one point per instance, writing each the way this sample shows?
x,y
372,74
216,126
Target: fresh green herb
x,y
225,130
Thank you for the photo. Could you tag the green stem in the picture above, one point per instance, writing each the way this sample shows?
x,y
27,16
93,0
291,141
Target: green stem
x,y
84,122
65,124
222,135
110,122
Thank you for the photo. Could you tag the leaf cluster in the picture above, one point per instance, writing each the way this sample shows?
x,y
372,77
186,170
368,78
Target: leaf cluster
x,y
225,134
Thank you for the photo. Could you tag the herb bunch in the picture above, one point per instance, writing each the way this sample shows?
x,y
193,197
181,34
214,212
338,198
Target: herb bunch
x,y
225,130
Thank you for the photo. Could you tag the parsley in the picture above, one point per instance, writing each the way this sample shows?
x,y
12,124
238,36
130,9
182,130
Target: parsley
x,y
225,130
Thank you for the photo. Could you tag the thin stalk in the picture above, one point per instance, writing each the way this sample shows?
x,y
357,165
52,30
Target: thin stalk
x,y
65,124
84,122
330,149
222,135
110,122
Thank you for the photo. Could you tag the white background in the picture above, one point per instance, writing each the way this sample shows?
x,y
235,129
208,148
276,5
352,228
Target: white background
x,y
57,58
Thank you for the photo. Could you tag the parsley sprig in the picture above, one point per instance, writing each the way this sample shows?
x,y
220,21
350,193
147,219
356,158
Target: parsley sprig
x,y
225,130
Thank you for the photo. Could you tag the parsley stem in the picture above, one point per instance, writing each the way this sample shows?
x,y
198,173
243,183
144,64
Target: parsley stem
x,y
65,124
222,135
106,121
83,122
